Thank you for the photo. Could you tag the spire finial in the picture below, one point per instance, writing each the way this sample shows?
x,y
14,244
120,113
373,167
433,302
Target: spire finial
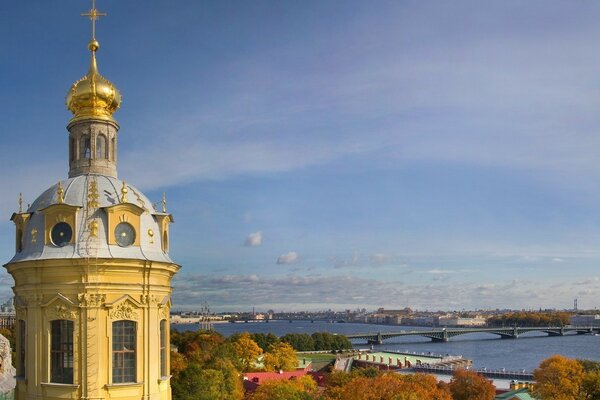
x,y
20,203
124,193
164,203
94,15
60,193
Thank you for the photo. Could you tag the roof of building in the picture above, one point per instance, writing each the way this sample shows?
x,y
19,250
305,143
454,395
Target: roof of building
x,y
75,193
520,394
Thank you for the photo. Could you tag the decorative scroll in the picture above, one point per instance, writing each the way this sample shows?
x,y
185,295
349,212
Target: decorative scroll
x,y
61,311
91,299
125,310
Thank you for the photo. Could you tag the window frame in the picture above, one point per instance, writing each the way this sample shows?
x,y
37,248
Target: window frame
x,y
22,349
121,354
163,347
62,351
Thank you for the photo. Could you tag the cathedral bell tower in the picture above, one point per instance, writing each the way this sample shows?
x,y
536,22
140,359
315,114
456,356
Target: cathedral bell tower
x,y
92,269
92,131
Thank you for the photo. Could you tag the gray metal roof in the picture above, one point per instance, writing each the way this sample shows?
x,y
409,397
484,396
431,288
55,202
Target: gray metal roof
x,y
76,194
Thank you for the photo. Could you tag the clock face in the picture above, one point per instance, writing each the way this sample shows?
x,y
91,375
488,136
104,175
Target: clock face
x,y
61,234
124,234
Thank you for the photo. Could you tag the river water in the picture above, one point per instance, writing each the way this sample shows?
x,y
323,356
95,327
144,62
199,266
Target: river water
x,y
486,350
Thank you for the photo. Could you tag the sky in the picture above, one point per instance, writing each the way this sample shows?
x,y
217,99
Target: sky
x,y
333,154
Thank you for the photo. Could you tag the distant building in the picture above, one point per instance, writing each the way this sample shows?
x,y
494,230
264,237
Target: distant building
x,y
585,320
7,319
451,320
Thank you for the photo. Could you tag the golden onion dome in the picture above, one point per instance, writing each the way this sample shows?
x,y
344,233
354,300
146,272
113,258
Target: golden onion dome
x,y
93,96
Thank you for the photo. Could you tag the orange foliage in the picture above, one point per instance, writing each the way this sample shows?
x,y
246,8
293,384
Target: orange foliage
x,y
558,378
468,385
390,386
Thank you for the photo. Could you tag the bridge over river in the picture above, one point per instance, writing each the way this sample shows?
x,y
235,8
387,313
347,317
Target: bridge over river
x,y
442,335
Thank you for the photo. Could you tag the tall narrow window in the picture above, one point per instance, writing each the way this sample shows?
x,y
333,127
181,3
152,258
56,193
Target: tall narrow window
x,y
61,352
113,149
163,348
123,351
19,240
165,242
101,147
85,150
72,149
21,349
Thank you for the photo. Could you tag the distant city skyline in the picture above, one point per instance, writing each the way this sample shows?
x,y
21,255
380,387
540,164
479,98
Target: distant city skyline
x,y
433,155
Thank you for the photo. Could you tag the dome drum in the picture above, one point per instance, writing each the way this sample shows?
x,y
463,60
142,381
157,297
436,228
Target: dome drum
x,y
93,148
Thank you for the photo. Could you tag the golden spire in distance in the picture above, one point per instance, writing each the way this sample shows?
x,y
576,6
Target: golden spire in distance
x,y
20,203
93,96
164,203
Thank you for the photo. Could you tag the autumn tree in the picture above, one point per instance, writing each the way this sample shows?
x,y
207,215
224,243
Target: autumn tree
x,y
558,378
246,350
281,356
204,368
302,388
469,385
389,386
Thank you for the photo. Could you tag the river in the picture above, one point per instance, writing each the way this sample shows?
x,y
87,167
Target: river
x,y
486,350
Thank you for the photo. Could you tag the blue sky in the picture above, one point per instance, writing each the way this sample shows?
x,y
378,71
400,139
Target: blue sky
x,y
334,154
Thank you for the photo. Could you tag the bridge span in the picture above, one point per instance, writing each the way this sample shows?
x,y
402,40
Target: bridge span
x,y
444,334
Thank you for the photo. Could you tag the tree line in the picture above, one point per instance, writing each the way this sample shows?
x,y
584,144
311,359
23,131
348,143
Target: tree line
x,y
530,318
208,366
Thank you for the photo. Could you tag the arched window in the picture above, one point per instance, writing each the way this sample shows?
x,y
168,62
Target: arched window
x,y
165,242
101,147
21,343
123,351
163,348
61,351
19,240
72,149
85,150
113,149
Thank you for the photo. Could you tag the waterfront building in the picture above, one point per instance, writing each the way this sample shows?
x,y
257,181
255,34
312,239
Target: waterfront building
x,y
585,320
456,321
7,319
91,268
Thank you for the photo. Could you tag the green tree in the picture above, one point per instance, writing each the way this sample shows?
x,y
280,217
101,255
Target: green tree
x,y
558,378
589,365
198,383
299,341
591,385
468,385
264,341
281,356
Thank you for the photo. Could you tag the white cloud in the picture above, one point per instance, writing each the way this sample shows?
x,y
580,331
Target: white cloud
x,y
289,258
379,258
438,271
254,239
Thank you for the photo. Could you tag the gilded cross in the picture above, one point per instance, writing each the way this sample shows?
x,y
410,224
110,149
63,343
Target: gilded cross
x,y
93,14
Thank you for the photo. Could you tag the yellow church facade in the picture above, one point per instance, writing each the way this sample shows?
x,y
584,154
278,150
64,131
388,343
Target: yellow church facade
x,y
92,269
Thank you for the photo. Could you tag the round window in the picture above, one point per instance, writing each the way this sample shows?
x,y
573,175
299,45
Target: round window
x,y
61,234
124,234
